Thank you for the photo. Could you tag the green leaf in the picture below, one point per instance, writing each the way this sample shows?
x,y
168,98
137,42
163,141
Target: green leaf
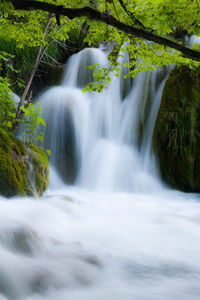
x,y
48,152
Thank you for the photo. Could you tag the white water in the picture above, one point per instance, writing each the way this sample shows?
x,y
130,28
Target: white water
x,y
118,233
100,246
104,126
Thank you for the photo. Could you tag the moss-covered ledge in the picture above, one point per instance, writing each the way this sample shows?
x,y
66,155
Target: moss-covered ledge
x,y
176,139
15,161
41,168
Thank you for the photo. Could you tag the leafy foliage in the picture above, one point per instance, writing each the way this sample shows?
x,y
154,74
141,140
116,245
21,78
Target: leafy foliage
x,y
31,123
7,104
168,18
8,101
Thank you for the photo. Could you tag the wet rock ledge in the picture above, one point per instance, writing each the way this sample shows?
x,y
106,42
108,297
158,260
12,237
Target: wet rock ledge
x,y
23,170
176,139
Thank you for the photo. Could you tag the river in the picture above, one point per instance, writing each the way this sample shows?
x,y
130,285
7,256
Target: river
x,y
118,232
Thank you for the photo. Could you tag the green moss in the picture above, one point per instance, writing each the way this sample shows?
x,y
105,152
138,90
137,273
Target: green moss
x,y
41,168
177,130
14,167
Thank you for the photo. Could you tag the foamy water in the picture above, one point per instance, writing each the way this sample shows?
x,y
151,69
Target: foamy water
x,y
119,233
74,244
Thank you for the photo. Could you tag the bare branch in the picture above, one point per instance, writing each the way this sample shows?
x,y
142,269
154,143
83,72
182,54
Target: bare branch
x,y
37,61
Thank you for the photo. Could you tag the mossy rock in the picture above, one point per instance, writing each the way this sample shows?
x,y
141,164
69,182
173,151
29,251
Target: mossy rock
x,y
176,139
15,161
41,168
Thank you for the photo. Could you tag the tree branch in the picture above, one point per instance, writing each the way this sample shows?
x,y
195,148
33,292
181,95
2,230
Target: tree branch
x,y
130,14
96,15
28,85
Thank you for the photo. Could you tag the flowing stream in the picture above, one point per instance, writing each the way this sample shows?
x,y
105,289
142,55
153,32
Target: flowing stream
x,y
107,228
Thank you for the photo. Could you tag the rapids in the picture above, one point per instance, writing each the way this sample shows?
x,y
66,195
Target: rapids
x,y
80,245
117,232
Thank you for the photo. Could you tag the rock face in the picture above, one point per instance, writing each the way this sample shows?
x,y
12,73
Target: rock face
x,y
176,140
15,162
41,168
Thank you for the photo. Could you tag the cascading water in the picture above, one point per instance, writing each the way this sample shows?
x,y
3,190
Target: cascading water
x,y
104,126
117,233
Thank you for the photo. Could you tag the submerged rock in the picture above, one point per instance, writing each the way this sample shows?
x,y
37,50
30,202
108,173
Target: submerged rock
x,y
20,239
176,136
15,161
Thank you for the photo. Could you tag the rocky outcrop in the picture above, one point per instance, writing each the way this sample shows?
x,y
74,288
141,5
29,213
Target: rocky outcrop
x,y
176,139
15,160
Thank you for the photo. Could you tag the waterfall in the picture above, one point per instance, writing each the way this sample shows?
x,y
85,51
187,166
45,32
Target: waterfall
x,y
94,136
85,241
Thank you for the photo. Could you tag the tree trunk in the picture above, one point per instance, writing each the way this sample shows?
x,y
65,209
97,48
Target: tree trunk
x,y
37,62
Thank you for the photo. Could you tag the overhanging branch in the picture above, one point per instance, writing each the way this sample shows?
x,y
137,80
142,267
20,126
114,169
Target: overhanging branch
x,y
94,14
130,14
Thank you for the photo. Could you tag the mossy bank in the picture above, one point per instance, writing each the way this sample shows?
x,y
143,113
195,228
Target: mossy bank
x,y
15,172
176,139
